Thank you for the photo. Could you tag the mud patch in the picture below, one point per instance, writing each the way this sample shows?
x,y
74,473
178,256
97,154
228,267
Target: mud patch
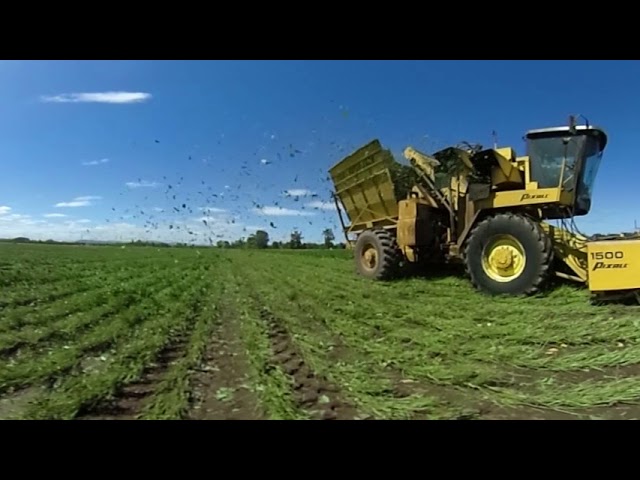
x,y
131,398
221,389
12,404
11,350
615,411
312,393
596,375
527,413
450,399
527,379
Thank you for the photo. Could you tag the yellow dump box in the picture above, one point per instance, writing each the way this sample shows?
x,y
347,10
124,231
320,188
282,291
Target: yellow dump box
x,y
364,185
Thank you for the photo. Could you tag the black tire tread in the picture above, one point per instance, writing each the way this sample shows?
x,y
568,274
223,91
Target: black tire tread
x,y
543,241
390,255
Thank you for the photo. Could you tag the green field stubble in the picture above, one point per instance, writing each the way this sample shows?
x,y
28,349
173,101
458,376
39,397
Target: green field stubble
x,y
79,324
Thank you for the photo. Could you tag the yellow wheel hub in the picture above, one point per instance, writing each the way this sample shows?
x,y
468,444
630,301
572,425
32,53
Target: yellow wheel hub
x,y
503,259
369,257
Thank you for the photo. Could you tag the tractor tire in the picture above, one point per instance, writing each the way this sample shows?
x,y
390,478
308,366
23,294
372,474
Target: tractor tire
x,y
508,254
377,255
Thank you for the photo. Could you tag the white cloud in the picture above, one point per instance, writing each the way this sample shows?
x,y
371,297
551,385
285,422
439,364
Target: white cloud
x,y
98,97
191,230
143,184
11,219
73,204
212,209
298,192
158,209
322,205
96,162
122,231
84,201
54,215
88,198
281,212
14,217
4,209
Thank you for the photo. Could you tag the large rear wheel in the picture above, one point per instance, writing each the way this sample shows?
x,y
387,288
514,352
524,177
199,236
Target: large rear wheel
x,y
376,254
508,254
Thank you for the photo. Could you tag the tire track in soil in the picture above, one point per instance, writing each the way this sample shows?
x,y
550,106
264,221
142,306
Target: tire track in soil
x,y
469,399
474,408
447,395
131,398
522,379
12,403
220,384
616,411
402,387
312,393
463,398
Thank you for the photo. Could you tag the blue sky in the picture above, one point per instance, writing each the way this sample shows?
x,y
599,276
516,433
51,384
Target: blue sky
x,y
99,149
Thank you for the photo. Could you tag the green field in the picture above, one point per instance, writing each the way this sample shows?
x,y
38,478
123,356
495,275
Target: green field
x,y
169,333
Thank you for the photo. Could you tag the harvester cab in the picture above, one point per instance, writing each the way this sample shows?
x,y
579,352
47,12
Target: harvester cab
x,y
568,158
487,209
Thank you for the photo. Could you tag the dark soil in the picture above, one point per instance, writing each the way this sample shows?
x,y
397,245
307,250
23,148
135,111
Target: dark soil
x,y
131,398
312,393
221,384
12,404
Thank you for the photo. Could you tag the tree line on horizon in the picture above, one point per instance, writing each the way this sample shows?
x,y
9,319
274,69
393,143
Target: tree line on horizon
x,y
258,240
261,240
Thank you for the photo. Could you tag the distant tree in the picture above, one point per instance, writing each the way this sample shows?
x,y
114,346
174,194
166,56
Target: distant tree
x,y
261,239
276,244
329,237
251,241
296,239
239,243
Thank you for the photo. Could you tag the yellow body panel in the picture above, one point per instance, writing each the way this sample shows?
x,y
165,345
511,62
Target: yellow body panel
x,y
506,172
614,265
413,214
508,153
499,177
514,198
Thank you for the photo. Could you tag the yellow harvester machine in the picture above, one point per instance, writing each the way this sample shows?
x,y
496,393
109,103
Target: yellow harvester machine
x,y
488,209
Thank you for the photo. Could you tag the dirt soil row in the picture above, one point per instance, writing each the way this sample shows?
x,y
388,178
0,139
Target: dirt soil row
x,y
313,393
220,385
221,388
131,398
